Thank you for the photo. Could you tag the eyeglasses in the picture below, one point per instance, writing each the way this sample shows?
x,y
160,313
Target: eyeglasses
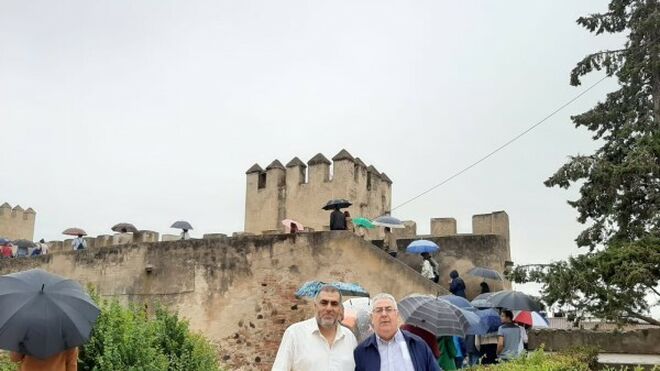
x,y
387,310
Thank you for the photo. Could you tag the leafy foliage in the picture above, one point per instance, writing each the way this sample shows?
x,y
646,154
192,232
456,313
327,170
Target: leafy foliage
x,y
576,360
131,339
620,182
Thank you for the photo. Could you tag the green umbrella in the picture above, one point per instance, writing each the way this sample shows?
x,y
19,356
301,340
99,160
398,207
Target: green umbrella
x,y
363,222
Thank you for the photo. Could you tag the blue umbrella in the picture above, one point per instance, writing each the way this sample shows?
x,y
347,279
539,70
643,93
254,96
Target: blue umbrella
x,y
490,319
311,288
458,301
420,246
477,325
4,241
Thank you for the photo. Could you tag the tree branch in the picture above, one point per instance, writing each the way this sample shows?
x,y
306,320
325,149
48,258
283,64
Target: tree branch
x,y
649,320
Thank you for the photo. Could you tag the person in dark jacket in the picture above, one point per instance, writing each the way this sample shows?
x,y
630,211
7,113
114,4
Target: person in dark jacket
x,y
484,287
456,284
337,220
388,338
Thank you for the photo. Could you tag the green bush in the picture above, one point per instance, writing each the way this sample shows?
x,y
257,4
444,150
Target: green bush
x,y
131,339
6,364
576,359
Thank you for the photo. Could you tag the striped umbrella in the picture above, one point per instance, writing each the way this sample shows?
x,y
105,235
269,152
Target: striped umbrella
x,y
434,315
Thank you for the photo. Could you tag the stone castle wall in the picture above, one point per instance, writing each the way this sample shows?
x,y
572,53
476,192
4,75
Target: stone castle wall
x,y
239,292
16,223
298,191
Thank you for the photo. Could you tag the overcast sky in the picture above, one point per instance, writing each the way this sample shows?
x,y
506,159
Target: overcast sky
x,y
151,111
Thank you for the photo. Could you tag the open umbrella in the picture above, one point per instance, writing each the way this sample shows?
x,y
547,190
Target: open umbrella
x,y
127,226
490,318
420,246
485,273
476,325
458,301
74,232
287,225
514,300
42,314
530,318
181,224
433,315
481,301
311,288
363,222
358,304
388,221
24,244
4,241
338,203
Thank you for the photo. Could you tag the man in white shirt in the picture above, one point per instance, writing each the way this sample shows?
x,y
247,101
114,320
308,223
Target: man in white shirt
x,y
79,243
319,343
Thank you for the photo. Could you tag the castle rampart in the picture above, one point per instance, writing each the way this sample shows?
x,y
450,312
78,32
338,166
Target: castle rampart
x,y
16,223
298,191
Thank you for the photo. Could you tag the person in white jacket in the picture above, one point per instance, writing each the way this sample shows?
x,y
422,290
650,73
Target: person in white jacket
x,y
429,267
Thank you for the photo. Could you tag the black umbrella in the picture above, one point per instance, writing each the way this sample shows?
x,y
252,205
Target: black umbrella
x,y
485,273
338,203
24,244
514,300
182,224
42,314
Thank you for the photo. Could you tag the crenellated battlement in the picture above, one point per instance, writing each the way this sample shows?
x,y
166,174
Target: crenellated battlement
x,y
298,191
16,223
344,168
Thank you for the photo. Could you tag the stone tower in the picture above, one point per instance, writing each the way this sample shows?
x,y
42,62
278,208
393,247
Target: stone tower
x,y
16,223
298,191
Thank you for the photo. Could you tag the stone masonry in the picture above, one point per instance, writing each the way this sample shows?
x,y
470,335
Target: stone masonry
x,y
298,191
16,223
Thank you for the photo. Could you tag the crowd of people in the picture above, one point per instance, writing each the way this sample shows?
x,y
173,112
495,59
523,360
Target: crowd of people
x,y
10,250
323,343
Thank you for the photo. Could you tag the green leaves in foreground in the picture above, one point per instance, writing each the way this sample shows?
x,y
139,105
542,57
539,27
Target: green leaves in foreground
x,y
131,339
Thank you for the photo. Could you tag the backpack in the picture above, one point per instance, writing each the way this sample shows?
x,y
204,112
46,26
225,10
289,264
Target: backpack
x,y
81,245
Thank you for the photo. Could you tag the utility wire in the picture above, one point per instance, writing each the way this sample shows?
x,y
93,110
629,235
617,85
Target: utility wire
x,y
502,146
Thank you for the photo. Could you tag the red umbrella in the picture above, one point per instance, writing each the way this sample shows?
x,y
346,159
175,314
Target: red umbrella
x,y
530,318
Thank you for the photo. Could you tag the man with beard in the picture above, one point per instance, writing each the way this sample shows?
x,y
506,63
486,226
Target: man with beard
x,y
389,348
319,343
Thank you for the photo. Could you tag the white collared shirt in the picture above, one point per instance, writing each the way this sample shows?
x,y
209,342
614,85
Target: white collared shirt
x,y
304,348
394,354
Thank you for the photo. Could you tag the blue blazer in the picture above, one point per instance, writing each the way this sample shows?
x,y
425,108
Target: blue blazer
x,y
367,357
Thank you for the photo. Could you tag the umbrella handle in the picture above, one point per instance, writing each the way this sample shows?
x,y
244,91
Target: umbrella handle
x,y
42,287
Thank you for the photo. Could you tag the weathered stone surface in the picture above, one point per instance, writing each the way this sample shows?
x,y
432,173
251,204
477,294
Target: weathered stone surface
x,y
239,291
16,223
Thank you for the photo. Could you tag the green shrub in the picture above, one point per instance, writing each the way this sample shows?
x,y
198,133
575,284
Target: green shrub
x,y
6,364
131,339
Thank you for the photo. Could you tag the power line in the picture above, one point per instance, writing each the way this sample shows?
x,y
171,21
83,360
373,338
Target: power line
x,y
503,145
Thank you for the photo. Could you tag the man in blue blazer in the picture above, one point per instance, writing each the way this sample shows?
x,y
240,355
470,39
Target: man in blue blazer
x,y
390,348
